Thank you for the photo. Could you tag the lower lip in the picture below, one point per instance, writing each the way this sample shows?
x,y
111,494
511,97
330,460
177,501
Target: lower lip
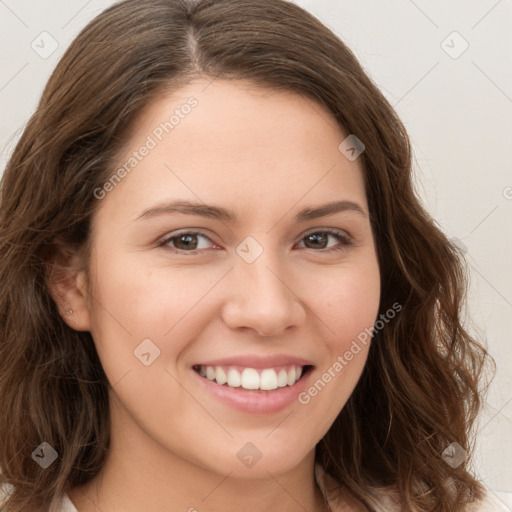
x,y
256,401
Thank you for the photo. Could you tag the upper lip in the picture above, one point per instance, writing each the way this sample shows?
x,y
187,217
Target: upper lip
x,y
257,362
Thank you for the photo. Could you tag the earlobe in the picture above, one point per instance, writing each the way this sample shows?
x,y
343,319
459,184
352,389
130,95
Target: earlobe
x,y
67,285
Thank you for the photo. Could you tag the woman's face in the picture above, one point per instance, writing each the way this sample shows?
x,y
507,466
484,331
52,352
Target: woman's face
x,y
247,297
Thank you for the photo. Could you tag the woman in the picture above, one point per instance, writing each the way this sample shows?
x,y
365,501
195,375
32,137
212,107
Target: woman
x,y
173,337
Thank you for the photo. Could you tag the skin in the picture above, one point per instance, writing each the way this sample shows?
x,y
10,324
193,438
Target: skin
x,y
266,155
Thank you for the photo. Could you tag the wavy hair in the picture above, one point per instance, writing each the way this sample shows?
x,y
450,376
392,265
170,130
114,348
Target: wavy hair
x,y
421,388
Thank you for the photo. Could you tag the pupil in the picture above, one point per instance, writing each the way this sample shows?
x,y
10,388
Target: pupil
x,y
188,244
318,236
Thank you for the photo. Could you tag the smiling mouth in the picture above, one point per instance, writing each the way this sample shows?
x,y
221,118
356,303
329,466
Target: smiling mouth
x,y
266,379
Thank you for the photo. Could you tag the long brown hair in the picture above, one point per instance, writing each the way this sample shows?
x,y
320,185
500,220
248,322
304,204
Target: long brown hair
x,y
421,388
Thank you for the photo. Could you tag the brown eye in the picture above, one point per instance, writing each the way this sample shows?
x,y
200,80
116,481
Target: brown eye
x,y
186,241
319,240
189,241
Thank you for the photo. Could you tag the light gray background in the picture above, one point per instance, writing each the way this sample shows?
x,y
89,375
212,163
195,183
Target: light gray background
x,y
457,109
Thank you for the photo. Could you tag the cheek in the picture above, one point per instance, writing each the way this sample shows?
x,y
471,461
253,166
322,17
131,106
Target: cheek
x,y
347,307
135,301
348,303
137,297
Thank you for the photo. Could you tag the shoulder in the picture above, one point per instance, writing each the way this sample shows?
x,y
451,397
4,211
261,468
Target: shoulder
x,y
385,500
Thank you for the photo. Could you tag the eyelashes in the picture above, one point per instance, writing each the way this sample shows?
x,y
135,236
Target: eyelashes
x,y
186,238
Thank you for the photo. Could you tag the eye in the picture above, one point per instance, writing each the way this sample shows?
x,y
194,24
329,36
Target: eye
x,y
321,237
187,241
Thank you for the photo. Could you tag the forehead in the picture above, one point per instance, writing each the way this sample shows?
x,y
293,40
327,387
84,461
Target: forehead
x,y
235,143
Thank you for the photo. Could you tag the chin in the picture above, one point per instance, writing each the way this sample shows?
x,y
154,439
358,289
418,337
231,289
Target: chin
x,y
258,458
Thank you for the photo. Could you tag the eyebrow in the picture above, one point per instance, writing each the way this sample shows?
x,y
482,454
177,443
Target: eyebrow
x,y
227,215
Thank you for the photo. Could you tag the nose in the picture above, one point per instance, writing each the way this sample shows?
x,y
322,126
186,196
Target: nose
x,y
262,297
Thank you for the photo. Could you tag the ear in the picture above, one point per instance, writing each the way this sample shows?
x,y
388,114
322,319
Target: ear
x,y
67,282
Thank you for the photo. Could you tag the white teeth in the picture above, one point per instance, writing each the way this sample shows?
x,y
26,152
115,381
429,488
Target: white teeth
x,y
210,373
292,374
220,376
268,380
282,379
250,378
234,378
